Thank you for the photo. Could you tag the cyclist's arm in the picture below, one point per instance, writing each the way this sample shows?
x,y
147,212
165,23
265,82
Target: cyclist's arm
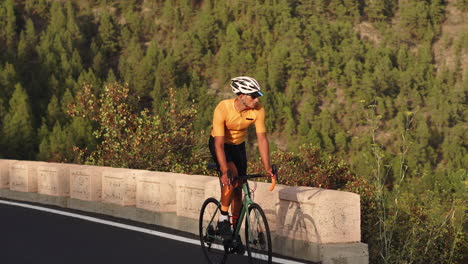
x,y
218,134
219,148
264,149
263,145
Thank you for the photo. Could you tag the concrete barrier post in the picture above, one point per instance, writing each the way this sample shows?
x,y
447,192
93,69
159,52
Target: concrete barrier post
x,y
54,179
191,194
156,191
23,176
119,186
86,183
325,220
4,173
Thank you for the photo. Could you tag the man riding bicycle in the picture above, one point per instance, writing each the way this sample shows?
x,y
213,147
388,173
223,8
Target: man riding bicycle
x,y
231,119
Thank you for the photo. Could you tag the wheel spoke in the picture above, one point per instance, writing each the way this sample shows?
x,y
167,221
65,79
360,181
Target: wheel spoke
x,y
258,239
211,242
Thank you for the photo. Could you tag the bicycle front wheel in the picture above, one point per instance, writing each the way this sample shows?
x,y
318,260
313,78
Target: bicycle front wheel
x,y
211,241
257,236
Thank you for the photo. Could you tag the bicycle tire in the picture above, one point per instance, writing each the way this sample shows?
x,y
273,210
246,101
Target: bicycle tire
x,y
211,243
257,236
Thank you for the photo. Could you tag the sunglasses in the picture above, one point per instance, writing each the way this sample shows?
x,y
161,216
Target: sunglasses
x,y
255,95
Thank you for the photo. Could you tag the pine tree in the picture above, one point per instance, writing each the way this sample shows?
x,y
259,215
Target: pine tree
x,y
72,27
99,65
18,137
39,7
67,100
54,113
8,79
80,134
2,112
8,27
145,70
277,68
166,74
378,10
108,35
86,78
44,143
111,76
314,138
290,126
76,66
59,145
229,54
27,44
130,60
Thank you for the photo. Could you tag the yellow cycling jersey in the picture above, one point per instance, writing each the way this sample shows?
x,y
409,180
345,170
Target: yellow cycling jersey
x,y
231,124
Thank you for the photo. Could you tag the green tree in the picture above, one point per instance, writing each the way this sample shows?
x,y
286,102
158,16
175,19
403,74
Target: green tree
x,y
72,28
18,137
166,74
108,34
229,53
27,44
2,113
54,113
8,79
379,10
8,26
132,71
277,68
39,7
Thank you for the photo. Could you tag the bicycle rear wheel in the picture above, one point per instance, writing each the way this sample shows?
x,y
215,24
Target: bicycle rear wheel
x,y
211,241
257,236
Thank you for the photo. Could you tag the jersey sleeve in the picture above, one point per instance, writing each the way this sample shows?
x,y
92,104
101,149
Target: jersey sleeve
x,y
218,121
260,121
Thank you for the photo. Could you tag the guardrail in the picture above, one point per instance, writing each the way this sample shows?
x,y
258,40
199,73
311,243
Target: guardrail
x,y
313,224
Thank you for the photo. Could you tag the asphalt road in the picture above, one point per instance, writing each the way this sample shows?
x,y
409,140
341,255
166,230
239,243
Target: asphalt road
x,y
28,235
33,236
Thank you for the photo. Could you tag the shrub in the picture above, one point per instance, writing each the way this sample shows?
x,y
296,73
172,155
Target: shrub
x,y
310,167
137,139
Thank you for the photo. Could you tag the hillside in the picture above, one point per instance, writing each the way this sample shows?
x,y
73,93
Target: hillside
x,y
375,90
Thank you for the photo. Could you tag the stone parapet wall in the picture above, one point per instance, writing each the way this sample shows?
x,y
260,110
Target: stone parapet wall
x,y
308,223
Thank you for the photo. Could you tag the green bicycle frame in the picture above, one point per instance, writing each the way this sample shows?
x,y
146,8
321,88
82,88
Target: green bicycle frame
x,y
246,202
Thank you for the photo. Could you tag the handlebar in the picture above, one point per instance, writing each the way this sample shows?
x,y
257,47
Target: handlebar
x,y
274,180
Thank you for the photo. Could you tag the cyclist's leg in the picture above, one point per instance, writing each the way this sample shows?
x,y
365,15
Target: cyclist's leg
x,y
236,204
227,190
239,158
224,225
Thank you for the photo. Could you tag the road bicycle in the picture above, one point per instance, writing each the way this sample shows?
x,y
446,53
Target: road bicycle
x,y
257,235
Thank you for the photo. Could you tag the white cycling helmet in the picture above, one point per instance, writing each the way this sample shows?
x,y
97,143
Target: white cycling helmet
x,y
246,85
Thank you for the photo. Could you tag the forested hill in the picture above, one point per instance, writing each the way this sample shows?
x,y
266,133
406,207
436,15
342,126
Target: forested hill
x,y
324,66
380,84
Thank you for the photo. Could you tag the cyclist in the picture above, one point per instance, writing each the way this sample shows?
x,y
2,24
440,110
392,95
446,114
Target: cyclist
x,y
231,119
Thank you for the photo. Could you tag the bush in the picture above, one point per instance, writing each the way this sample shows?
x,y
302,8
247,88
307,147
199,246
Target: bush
x,y
415,222
137,139
369,212
310,167
420,221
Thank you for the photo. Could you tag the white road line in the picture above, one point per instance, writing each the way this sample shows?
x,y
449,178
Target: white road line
x,y
124,226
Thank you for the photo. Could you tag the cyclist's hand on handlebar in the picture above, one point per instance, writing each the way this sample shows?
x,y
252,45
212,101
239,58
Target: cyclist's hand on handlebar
x,y
270,173
273,175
